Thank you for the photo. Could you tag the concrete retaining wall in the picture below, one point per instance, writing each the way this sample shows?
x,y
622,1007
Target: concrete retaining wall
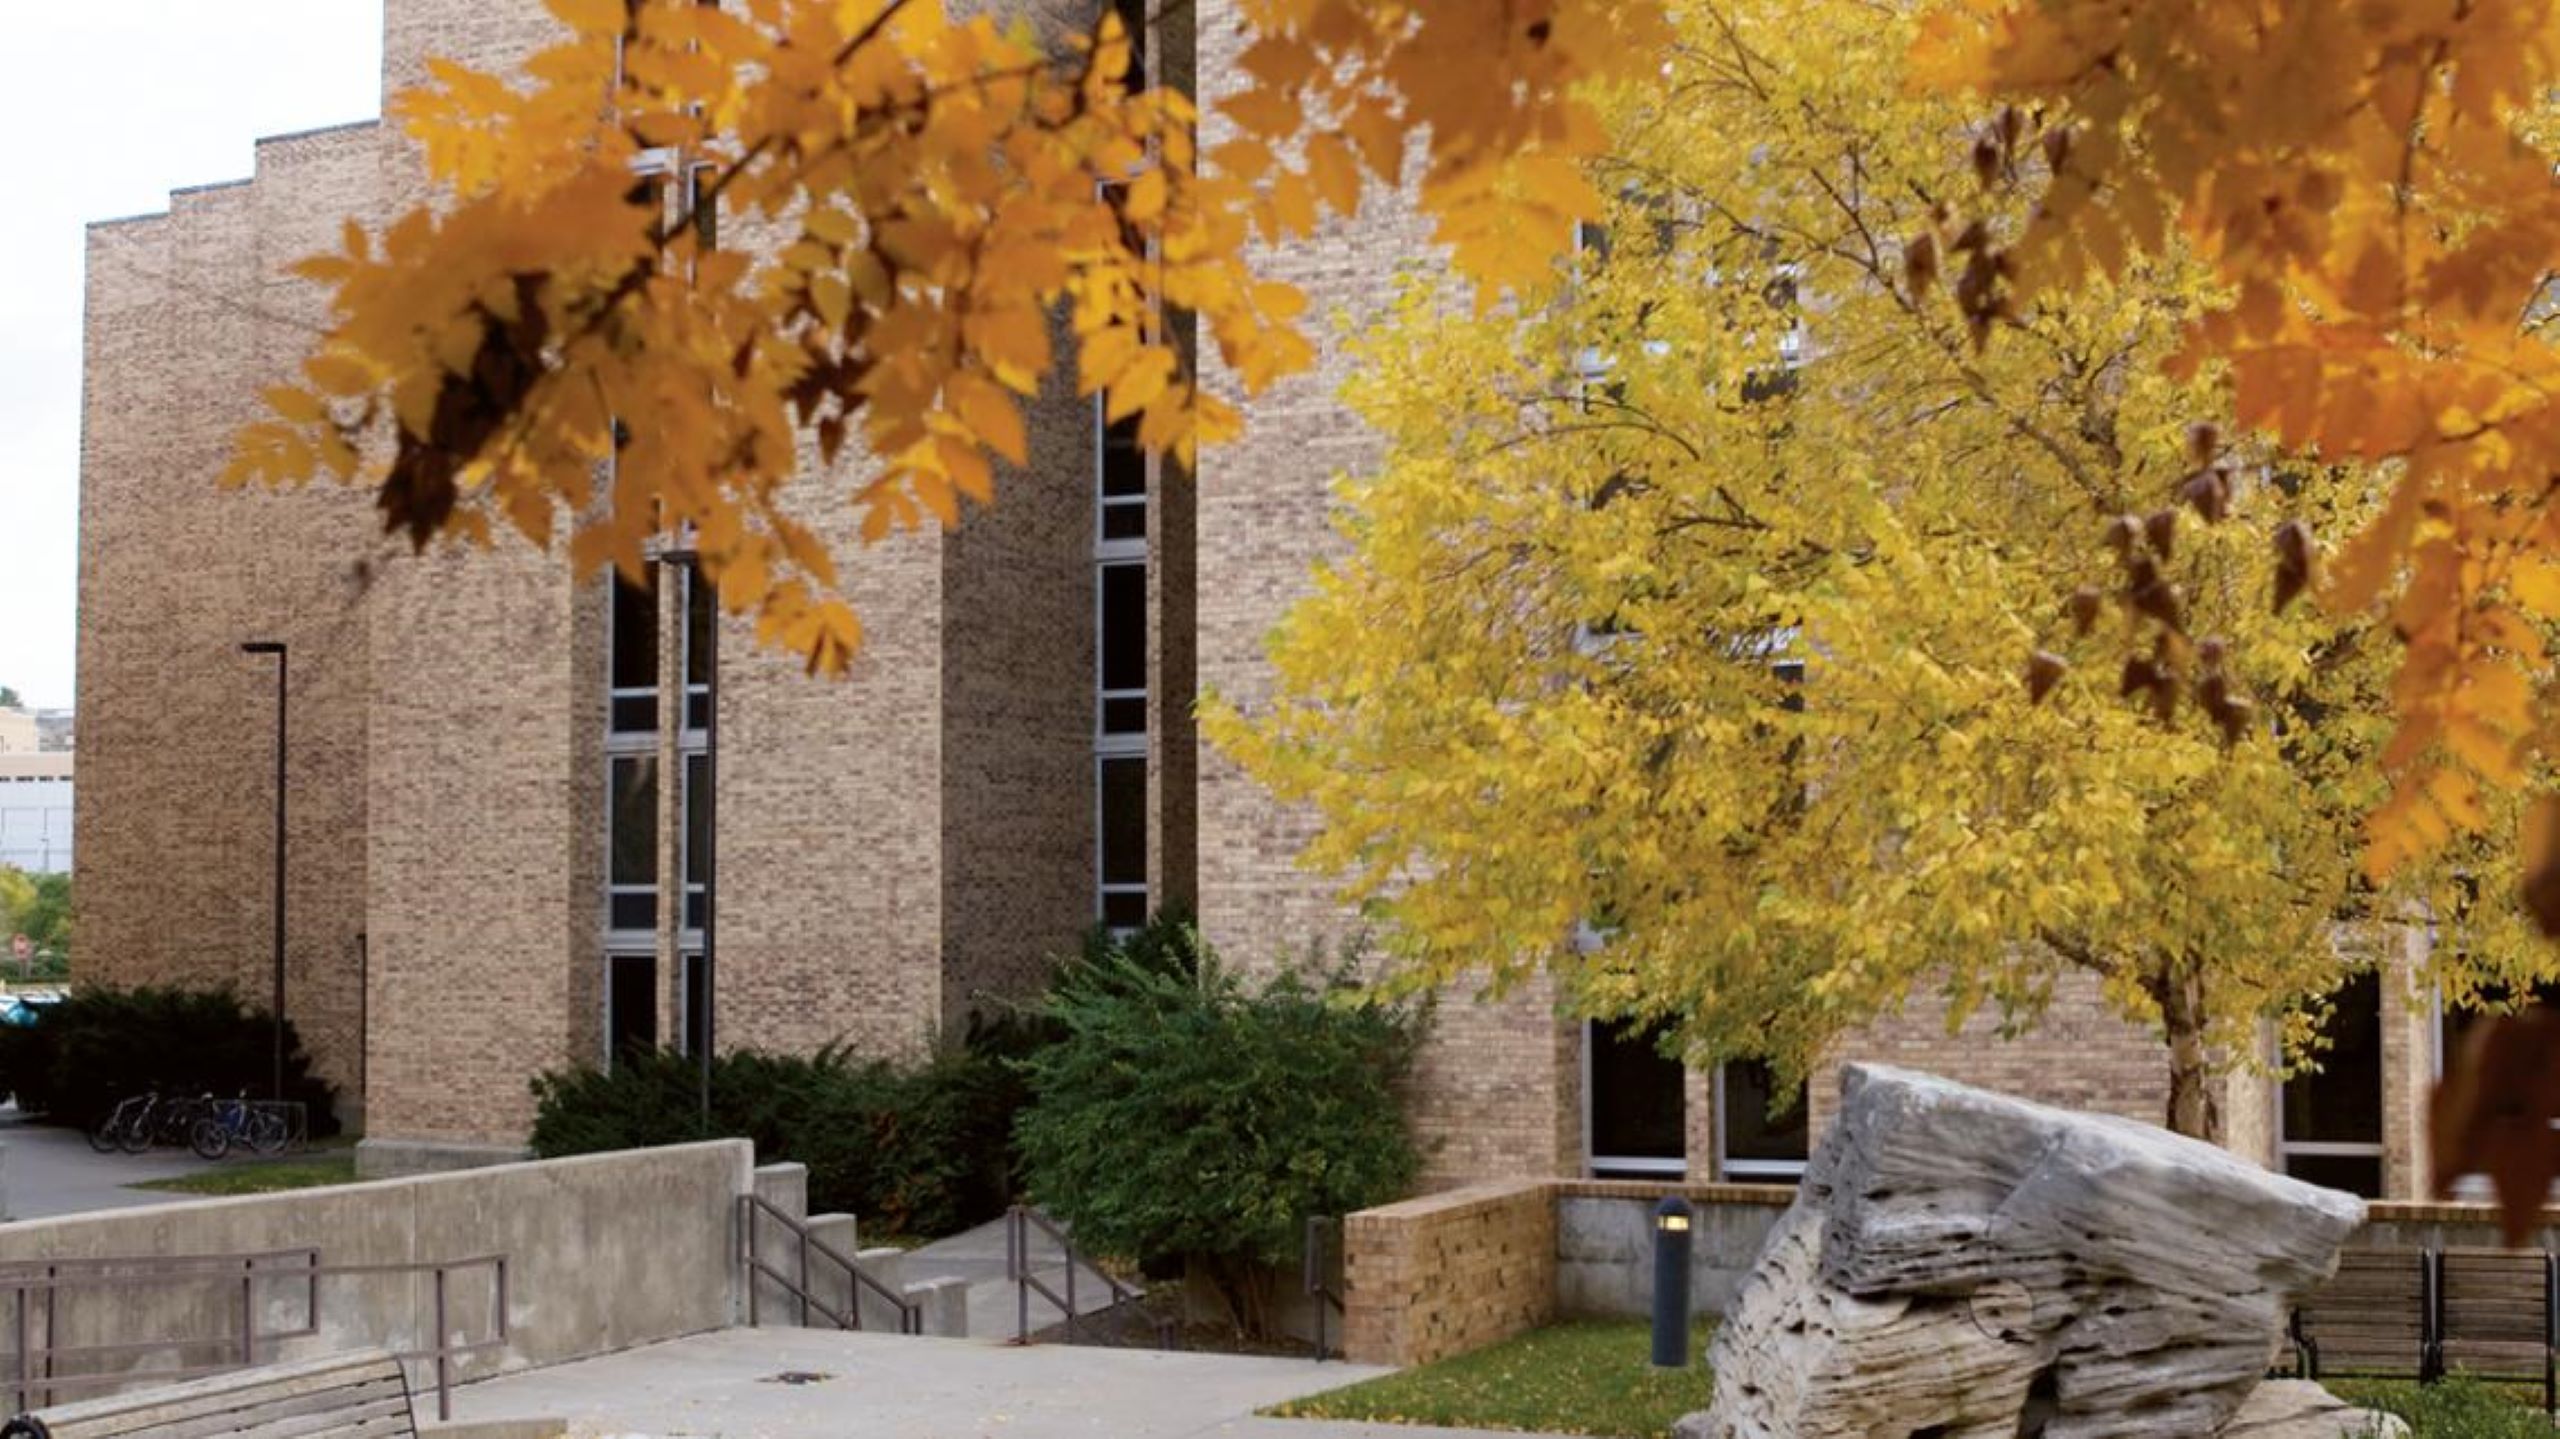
x,y
605,1252
1446,1273
1604,1243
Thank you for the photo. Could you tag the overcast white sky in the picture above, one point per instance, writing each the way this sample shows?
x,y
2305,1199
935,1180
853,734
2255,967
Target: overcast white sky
x,y
119,101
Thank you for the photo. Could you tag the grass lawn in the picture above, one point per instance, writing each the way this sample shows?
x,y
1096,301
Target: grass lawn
x,y
1587,1377
2458,1408
262,1176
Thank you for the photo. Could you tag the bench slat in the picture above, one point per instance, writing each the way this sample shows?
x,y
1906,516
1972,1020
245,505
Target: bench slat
x,y
373,1422
313,1409
385,1427
304,1399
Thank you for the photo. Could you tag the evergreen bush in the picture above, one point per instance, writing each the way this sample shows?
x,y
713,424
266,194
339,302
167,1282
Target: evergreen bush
x,y
1184,1113
918,1150
100,1044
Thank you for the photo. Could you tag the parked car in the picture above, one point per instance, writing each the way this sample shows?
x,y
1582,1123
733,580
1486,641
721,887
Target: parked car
x,y
26,1009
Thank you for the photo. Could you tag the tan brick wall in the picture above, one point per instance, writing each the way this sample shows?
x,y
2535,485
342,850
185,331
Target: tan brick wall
x,y
187,316
1447,1273
1017,644
1497,1091
2079,1057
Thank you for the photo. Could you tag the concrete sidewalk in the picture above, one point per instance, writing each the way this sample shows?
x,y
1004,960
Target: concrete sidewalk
x,y
732,1385
995,1303
46,1171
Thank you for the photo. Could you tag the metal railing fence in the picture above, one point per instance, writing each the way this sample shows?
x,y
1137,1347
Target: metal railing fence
x,y
754,1208
34,1292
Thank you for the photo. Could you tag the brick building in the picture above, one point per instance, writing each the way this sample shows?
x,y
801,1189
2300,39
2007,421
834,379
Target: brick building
x,y
496,771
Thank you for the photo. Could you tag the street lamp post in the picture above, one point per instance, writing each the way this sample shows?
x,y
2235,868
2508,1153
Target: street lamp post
x,y
275,1019
689,563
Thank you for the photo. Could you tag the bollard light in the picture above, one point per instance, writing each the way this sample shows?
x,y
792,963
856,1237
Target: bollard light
x,y
1671,1241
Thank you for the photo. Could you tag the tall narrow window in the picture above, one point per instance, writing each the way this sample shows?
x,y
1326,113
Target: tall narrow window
x,y
634,686
1122,636
1121,785
1761,1133
1124,483
630,1005
2330,1124
1635,1109
631,892
689,1023
1120,673
1133,17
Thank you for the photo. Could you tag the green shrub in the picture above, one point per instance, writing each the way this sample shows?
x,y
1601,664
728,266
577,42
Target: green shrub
x,y
912,1150
1182,1113
101,1044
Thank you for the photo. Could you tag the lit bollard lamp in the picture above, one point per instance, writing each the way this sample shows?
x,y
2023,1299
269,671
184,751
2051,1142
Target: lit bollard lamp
x,y
1671,1283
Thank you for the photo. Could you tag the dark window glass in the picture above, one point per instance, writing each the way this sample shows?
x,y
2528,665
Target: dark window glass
x,y
632,910
693,1008
699,607
2342,1104
2359,1174
1125,910
1124,627
2459,1022
1133,15
1751,1130
630,1004
635,819
635,714
697,817
1124,462
1592,239
1124,716
1124,822
635,642
1638,1109
1124,522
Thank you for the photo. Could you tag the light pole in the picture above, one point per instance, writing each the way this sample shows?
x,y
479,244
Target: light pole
x,y
275,1020
688,563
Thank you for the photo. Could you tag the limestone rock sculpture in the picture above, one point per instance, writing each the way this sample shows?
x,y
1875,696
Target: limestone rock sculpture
x,y
1964,1265
2292,1409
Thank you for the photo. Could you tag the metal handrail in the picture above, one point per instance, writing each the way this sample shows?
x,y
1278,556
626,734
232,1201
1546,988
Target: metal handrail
x,y
206,1269
1312,1275
1017,1267
750,1206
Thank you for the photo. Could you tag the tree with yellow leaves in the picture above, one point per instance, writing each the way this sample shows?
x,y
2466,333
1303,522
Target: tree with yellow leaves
x,y
1679,642
2370,186
909,198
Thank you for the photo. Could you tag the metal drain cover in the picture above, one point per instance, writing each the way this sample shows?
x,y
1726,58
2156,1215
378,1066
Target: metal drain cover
x,y
796,1376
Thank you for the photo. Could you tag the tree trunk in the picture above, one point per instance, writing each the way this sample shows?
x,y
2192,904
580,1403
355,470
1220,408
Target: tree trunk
x,y
2195,1109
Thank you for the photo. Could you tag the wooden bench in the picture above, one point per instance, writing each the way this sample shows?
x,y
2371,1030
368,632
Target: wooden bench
x,y
363,1395
2498,1316
2375,1316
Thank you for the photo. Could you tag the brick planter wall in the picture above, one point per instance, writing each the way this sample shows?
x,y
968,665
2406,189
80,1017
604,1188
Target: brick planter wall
x,y
1440,1275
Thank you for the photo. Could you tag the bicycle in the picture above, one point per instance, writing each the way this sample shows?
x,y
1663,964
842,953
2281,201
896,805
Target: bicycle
x,y
167,1121
107,1135
237,1121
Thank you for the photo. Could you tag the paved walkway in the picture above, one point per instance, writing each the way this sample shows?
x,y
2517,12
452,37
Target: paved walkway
x,y
729,1385
46,1171
977,1255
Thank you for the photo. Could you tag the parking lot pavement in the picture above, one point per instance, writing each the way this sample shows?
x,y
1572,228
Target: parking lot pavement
x,y
46,1171
824,1384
